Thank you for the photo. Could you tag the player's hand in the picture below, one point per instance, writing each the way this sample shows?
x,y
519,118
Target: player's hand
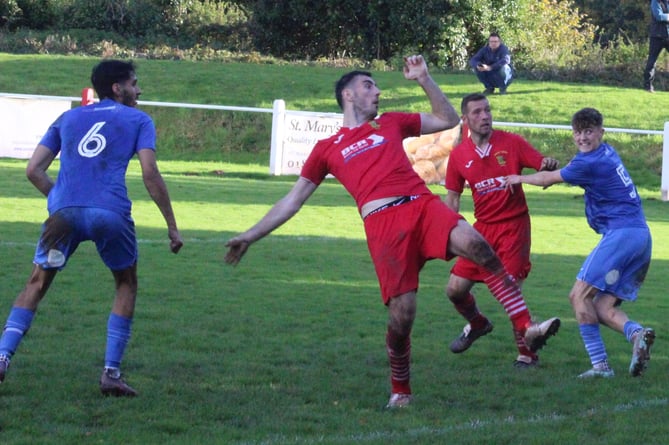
x,y
175,241
414,67
510,181
237,247
549,164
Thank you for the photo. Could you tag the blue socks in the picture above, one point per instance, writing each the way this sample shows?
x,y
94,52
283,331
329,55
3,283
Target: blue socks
x,y
630,328
593,342
20,319
17,325
118,335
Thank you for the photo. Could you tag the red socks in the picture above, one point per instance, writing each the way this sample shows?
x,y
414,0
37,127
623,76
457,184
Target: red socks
x,y
505,290
399,354
468,309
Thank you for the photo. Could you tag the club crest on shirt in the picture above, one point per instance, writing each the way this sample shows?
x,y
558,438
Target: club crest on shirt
x,y
501,158
375,125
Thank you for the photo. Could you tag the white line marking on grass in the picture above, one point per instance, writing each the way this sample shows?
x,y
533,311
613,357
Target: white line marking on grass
x,y
474,424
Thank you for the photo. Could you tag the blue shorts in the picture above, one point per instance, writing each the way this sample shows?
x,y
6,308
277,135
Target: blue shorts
x,y
619,263
112,233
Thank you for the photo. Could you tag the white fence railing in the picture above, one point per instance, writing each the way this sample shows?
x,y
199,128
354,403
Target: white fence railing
x,y
293,132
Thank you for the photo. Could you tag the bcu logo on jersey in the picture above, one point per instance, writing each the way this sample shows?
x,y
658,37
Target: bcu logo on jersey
x,y
362,146
93,142
489,185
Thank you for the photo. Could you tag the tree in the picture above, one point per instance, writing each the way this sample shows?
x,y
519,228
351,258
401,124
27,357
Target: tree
x,y
614,19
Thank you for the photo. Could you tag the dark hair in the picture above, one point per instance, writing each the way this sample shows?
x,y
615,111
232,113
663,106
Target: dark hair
x,y
587,118
470,98
107,73
495,34
343,83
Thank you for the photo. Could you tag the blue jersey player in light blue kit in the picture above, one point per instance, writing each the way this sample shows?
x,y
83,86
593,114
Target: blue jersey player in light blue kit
x,y
89,201
617,266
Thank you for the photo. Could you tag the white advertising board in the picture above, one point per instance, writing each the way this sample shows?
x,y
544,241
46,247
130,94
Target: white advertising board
x,y
294,134
23,122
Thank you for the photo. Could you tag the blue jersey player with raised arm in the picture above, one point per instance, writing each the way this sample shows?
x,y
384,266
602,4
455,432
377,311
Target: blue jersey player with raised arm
x,y
89,201
617,266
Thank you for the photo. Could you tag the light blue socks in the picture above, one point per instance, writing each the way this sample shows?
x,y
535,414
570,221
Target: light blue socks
x,y
593,342
118,335
17,325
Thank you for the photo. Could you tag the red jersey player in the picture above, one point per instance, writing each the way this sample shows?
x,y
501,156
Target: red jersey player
x,y
406,225
483,160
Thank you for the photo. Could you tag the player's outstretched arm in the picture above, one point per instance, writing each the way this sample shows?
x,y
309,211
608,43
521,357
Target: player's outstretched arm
x,y
282,211
542,179
155,185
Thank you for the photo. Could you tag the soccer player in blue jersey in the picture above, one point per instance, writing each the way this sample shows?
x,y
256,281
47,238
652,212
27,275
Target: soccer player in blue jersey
x,y
89,201
617,266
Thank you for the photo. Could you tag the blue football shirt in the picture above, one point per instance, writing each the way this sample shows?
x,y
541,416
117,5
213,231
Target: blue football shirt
x,y
96,143
611,198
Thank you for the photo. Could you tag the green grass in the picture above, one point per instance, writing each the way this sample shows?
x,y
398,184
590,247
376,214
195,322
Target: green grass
x,y
244,137
311,88
288,347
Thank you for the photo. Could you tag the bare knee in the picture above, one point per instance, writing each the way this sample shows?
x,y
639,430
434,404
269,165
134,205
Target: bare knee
x,y
581,298
402,313
126,291
608,313
458,288
604,314
574,298
466,242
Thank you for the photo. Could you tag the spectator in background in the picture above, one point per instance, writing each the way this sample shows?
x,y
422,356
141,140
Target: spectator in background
x,y
659,38
492,65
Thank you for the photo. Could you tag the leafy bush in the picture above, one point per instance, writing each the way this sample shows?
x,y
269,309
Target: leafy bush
x,y
10,14
137,18
554,36
618,19
219,25
549,39
617,63
37,14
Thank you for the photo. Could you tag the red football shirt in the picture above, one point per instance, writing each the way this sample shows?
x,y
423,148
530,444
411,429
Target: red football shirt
x,y
485,169
369,160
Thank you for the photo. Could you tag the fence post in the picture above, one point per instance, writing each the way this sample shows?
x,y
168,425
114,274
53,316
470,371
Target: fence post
x,y
665,164
276,145
87,96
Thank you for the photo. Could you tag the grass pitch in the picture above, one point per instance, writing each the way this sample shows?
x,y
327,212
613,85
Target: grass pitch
x,y
288,347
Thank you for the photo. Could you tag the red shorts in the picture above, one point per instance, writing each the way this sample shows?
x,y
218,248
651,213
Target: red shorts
x,y
402,238
510,240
